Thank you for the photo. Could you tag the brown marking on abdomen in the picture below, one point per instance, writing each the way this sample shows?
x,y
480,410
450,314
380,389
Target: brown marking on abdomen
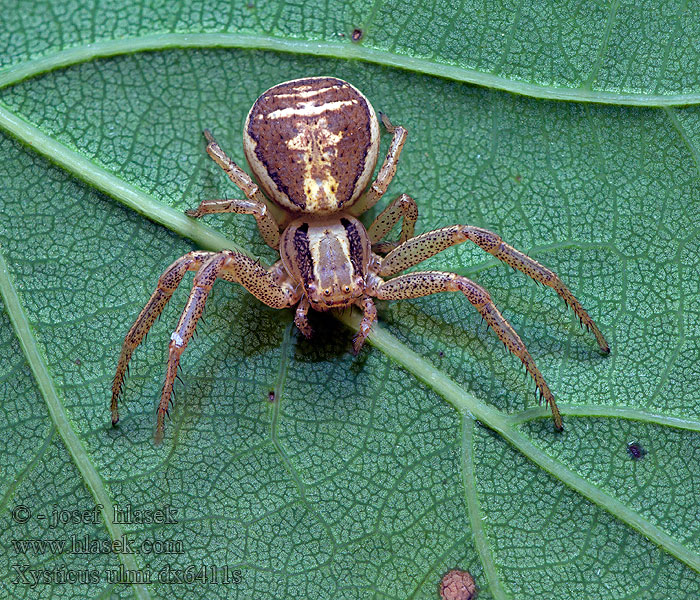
x,y
312,137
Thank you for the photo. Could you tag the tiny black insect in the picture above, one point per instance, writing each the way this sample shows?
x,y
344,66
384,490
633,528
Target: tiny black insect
x,y
635,450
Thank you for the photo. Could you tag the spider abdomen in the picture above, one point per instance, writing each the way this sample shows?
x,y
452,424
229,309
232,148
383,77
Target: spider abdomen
x,y
312,144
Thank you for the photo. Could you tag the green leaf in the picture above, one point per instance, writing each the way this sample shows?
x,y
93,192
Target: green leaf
x,y
368,476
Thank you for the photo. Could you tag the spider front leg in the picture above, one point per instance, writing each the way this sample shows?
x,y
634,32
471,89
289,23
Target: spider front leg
x,y
369,316
425,283
424,246
301,317
167,284
386,173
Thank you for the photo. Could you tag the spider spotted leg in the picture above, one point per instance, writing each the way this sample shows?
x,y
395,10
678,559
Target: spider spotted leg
x,y
403,206
424,246
538,272
425,283
235,173
239,177
268,227
386,173
269,287
167,284
369,316
301,317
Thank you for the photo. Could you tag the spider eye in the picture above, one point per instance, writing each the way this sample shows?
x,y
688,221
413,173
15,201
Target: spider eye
x,y
327,292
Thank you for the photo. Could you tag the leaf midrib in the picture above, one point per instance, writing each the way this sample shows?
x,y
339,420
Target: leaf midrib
x,y
344,50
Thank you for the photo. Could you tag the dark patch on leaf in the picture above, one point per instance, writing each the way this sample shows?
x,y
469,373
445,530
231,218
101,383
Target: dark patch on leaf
x,y
636,450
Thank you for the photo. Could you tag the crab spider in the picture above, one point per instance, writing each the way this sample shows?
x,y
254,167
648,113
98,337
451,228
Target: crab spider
x,y
313,144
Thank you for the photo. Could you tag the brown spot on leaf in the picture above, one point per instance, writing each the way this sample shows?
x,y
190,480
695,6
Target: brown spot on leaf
x,y
271,396
457,585
356,35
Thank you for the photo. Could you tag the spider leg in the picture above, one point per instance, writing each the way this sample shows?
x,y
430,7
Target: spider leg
x,y
268,227
403,206
268,286
386,173
301,317
167,284
425,283
244,182
369,316
424,246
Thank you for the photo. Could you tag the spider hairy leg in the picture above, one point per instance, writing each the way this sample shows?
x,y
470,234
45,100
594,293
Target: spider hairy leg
x,y
268,286
403,206
203,282
386,173
167,284
538,272
424,246
301,318
369,316
425,283
237,175
268,227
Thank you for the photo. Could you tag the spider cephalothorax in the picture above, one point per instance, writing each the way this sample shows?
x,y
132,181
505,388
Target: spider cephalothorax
x,y
313,145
